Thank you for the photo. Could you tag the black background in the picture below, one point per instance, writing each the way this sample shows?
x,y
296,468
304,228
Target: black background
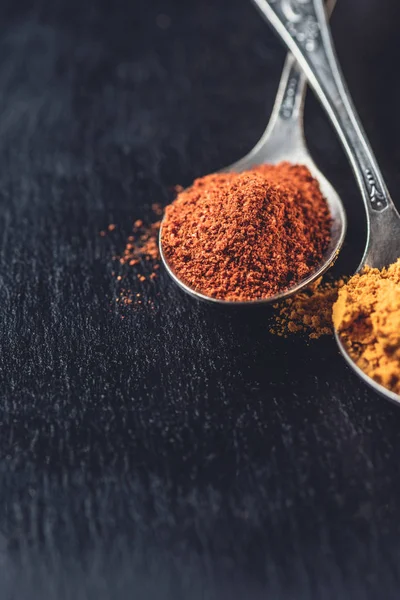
x,y
180,452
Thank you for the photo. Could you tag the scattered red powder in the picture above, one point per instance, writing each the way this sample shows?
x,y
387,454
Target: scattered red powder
x,y
143,245
157,209
140,253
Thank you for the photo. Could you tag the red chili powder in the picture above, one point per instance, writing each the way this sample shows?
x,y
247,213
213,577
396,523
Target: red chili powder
x,y
142,244
249,235
140,254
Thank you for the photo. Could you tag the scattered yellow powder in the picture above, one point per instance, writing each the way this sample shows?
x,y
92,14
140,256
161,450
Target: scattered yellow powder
x,y
308,312
367,317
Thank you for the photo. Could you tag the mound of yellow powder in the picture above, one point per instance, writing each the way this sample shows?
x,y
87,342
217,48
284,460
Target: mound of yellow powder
x,y
367,317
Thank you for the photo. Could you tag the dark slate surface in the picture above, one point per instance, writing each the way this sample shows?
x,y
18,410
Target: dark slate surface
x,y
180,452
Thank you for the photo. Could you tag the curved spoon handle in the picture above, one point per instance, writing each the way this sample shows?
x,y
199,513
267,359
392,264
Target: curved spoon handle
x,y
303,26
286,122
289,101
288,109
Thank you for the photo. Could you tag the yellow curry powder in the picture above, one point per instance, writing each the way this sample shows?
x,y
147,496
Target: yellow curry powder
x,y
308,312
367,317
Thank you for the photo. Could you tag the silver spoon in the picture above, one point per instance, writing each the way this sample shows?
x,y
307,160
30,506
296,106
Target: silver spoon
x,y
283,140
303,27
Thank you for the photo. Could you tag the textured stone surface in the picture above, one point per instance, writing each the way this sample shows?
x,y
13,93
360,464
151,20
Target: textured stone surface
x,y
181,452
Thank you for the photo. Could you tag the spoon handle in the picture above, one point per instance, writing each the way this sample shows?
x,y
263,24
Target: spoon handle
x,y
287,117
286,121
303,27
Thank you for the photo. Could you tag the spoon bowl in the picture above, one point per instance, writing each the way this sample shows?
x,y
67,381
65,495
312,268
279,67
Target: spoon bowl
x,y
377,387
338,231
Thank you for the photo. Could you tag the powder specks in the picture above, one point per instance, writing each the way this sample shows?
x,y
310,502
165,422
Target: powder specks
x,y
142,245
308,312
141,255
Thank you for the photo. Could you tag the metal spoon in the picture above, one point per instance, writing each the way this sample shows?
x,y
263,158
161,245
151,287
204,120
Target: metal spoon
x,y
303,27
282,140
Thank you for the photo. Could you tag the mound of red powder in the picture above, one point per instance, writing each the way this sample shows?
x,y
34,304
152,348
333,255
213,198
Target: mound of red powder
x,y
249,235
